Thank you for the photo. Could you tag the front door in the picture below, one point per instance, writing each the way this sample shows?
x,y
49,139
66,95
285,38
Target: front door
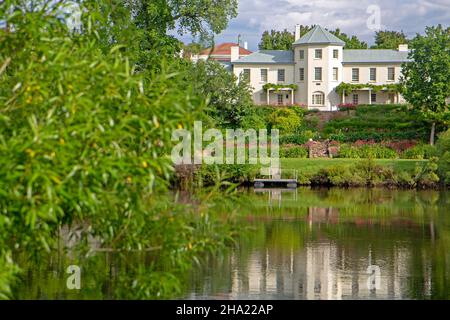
x,y
280,99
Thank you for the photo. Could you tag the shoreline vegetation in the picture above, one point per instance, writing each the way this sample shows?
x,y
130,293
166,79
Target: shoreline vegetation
x,y
389,173
361,146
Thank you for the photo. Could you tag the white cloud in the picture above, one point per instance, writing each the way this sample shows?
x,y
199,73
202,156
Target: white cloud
x,y
350,16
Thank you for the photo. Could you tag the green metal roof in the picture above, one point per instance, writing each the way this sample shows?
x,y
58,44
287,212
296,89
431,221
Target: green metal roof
x,y
268,57
374,56
319,35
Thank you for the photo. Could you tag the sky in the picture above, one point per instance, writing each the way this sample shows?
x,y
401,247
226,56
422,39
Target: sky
x,y
354,17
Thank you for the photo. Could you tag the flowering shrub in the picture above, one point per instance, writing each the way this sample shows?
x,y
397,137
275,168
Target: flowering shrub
x,y
401,145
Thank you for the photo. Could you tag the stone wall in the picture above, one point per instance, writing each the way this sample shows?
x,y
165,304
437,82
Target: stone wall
x,y
324,149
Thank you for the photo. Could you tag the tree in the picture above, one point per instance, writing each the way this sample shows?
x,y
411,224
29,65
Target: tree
x,y
281,40
229,100
426,78
389,39
276,40
352,42
192,48
143,26
85,130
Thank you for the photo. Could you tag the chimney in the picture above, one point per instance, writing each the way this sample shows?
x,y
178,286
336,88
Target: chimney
x,y
234,53
403,47
246,45
297,32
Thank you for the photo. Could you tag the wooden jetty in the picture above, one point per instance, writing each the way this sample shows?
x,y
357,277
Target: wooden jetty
x,y
275,180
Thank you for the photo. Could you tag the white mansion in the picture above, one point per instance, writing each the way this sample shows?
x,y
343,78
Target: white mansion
x,y
309,74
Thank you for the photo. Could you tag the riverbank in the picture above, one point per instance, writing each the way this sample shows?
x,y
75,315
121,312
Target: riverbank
x,y
313,166
395,173
364,172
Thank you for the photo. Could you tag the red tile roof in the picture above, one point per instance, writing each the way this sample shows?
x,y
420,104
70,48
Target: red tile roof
x,y
224,49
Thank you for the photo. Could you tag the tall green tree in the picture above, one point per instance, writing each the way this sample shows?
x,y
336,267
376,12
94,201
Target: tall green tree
x,y
281,40
276,40
389,39
229,100
143,25
426,78
86,127
352,42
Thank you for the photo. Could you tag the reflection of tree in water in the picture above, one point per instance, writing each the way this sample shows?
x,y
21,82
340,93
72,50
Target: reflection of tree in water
x,y
325,252
299,250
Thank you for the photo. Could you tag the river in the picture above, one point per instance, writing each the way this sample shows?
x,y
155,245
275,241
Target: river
x,y
335,244
295,244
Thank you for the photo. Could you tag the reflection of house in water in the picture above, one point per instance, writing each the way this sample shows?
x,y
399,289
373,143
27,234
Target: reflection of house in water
x,y
275,195
320,270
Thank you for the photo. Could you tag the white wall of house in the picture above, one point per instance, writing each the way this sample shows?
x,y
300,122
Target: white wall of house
x,y
257,83
310,85
364,72
381,97
381,73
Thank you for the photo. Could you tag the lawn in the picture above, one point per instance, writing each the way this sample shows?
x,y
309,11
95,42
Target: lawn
x,y
311,166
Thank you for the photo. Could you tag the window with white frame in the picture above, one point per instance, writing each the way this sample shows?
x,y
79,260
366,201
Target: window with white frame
x,y
335,54
301,73
318,98
355,74
355,98
246,74
318,54
302,54
335,74
391,74
280,99
281,75
373,97
318,74
263,75
373,74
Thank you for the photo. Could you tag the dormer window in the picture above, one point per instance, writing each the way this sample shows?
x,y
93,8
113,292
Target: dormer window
x,y
318,54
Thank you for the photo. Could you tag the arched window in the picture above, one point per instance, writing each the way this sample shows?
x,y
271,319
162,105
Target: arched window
x,y
318,98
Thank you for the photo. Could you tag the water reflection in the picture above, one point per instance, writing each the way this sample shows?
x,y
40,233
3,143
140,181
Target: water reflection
x,y
295,244
299,251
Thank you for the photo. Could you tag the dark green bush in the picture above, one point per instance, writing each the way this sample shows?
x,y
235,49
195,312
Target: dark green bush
x,y
422,151
210,175
285,119
293,152
299,137
443,152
